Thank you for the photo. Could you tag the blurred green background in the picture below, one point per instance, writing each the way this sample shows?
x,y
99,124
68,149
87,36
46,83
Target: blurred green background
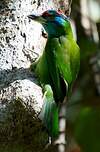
x,y
84,107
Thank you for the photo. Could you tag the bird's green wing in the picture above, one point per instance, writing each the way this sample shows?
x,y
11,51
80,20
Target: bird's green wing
x,y
55,79
68,58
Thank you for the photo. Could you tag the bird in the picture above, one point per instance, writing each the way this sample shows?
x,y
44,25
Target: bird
x,y
58,66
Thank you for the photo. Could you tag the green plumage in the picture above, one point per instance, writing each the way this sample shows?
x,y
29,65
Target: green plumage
x,y
59,62
58,66
49,113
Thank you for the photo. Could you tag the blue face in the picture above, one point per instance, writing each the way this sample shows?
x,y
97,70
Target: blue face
x,y
56,23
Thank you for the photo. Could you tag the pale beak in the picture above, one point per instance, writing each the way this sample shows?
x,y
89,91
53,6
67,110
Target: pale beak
x,y
37,18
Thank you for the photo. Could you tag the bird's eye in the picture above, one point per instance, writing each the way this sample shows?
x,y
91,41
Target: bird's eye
x,y
50,12
59,12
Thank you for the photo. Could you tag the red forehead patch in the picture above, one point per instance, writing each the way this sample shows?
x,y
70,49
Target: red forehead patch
x,y
52,13
46,13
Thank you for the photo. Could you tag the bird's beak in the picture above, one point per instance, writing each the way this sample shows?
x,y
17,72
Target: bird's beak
x,y
37,18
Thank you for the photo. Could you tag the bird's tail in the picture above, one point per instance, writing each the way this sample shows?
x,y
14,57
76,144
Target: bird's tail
x,y
49,113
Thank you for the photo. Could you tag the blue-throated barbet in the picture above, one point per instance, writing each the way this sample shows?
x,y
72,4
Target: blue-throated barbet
x,y
58,66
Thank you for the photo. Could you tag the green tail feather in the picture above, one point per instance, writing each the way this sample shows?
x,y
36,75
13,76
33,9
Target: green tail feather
x,y
49,113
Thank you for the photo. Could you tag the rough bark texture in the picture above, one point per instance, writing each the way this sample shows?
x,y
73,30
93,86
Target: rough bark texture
x,y
21,43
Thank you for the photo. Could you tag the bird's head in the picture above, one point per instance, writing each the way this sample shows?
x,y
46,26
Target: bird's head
x,y
54,22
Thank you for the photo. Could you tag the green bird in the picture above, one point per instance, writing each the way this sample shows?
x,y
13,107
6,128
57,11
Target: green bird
x,y
58,66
